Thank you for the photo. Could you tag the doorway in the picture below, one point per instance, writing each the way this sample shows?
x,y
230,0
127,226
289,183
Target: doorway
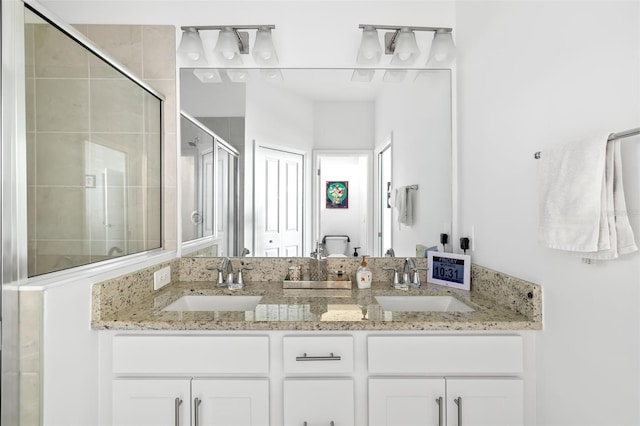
x,y
351,218
384,210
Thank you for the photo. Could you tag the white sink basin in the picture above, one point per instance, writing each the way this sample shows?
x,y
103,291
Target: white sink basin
x,y
422,304
214,303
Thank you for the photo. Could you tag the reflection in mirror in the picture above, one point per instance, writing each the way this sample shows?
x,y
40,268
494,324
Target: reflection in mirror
x,y
209,181
93,154
398,130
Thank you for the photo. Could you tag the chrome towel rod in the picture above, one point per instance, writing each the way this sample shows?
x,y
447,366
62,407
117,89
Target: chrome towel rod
x,y
612,136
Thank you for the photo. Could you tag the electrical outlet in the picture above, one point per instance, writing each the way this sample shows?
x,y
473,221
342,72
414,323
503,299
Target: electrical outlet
x,y
161,277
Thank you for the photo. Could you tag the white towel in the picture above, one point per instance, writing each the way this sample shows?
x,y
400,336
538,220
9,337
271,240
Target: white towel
x,y
404,205
582,205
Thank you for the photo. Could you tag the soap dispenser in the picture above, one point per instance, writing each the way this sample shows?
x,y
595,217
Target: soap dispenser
x,y
363,274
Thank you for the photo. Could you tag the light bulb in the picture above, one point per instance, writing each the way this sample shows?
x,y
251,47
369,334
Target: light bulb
x,y
227,45
443,51
264,53
406,48
370,50
190,47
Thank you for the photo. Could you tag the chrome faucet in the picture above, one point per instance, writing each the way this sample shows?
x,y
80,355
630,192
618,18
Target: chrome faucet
x,y
228,268
410,275
390,253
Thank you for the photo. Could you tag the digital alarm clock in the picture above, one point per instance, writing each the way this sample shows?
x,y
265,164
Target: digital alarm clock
x,y
449,269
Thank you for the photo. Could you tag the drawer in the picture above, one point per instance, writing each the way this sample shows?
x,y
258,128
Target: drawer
x,y
445,354
190,355
318,354
319,402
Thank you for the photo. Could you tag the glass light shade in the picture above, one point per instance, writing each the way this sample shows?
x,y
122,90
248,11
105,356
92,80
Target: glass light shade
x,y
394,76
406,49
190,48
238,75
264,52
363,76
227,46
208,75
370,49
271,74
443,51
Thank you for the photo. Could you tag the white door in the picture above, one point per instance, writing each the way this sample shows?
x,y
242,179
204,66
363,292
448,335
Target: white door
x,y
406,402
315,402
229,402
150,402
278,203
485,402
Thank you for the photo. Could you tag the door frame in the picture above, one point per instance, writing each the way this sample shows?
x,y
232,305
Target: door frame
x,y
378,203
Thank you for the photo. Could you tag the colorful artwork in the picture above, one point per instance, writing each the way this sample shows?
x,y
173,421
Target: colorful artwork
x,y
337,194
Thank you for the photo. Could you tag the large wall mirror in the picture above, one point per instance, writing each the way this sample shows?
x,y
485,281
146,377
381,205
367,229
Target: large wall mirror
x,y
363,166
93,154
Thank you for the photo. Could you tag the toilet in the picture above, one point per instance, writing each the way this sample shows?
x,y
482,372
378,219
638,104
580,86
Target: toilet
x,y
336,245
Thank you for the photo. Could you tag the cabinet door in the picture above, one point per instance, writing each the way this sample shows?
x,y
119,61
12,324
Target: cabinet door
x,y
406,402
230,402
152,402
318,402
485,402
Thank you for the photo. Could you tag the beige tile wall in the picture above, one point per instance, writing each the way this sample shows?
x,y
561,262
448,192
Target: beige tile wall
x,y
58,129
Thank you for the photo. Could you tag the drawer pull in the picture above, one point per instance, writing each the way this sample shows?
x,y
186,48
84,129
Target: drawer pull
x,y
440,411
458,402
176,409
196,405
331,357
331,423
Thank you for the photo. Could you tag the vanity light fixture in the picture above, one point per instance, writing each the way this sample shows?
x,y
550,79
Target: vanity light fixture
x,y
231,43
400,41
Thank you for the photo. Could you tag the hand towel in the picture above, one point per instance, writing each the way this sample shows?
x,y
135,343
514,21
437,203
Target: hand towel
x,y
404,205
582,206
620,233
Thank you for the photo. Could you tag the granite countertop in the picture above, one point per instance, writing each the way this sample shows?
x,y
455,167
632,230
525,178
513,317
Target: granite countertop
x,y
289,309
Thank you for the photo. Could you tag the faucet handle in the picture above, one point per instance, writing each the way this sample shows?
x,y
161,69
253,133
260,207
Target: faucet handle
x,y
395,275
242,268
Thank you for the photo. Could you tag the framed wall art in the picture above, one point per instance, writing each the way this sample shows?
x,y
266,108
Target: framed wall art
x,y
337,194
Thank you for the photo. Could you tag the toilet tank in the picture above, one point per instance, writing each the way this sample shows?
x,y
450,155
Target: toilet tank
x,y
336,245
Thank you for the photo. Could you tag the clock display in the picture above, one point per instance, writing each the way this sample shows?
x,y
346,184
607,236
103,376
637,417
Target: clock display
x,y
449,269
445,268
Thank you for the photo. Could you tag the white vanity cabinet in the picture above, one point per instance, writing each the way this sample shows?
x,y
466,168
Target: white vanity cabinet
x,y
151,402
196,402
477,380
300,378
197,380
446,401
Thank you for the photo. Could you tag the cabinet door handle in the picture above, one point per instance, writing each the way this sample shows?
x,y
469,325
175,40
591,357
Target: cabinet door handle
x,y
176,410
331,423
458,402
331,357
196,404
440,411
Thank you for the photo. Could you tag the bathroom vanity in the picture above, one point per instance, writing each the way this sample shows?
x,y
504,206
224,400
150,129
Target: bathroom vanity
x,y
272,355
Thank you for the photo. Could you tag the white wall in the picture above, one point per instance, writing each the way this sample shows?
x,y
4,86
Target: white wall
x,y
418,117
533,74
278,119
344,124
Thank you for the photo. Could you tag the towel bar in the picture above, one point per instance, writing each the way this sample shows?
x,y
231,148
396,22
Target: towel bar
x,y
612,137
